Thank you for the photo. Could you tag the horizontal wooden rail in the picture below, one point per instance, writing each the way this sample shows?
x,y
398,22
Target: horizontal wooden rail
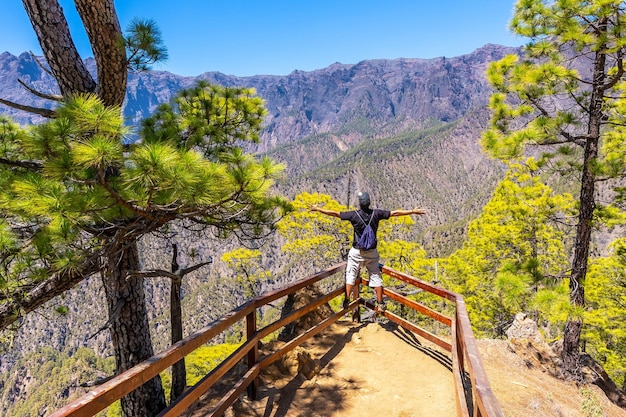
x,y
114,389
473,393
441,318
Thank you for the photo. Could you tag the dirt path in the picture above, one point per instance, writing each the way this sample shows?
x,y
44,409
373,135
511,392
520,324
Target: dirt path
x,y
367,369
379,370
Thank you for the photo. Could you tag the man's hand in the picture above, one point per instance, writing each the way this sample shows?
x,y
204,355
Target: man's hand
x,y
418,210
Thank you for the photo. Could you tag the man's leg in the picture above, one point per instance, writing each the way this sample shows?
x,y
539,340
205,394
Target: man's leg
x,y
349,290
352,270
379,293
371,261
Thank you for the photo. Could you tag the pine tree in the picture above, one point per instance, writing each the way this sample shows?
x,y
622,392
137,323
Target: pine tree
x,y
76,199
92,199
514,255
566,95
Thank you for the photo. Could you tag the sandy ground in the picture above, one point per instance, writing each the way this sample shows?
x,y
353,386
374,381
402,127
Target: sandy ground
x,y
359,377
377,369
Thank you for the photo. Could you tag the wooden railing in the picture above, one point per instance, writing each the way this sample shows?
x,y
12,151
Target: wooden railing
x,y
474,397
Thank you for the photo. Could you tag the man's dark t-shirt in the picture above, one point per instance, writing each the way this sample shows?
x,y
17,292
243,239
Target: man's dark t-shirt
x,y
359,226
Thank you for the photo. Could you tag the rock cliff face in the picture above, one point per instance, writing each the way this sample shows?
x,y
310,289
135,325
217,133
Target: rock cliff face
x,y
387,96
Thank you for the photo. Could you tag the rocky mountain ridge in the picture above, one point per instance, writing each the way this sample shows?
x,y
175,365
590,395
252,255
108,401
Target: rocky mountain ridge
x,y
390,95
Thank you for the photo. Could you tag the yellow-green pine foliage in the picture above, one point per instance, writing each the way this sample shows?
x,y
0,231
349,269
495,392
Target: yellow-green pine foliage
x,y
247,267
513,254
313,236
605,313
548,96
199,363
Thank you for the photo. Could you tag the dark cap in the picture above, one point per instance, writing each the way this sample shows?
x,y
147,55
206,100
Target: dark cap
x,y
364,199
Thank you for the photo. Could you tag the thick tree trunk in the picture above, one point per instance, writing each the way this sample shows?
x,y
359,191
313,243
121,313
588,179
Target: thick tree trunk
x,y
129,329
103,28
53,33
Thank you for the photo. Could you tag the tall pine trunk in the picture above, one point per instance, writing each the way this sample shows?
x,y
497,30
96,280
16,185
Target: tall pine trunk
x,y
129,328
574,325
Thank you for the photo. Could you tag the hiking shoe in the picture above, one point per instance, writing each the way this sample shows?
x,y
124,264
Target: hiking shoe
x,y
381,307
346,303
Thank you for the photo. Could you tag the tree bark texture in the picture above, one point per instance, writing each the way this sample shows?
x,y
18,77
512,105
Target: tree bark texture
x,y
129,329
179,373
573,327
105,35
53,33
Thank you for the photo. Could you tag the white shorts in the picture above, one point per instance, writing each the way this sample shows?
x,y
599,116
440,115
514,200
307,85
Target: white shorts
x,y
364,257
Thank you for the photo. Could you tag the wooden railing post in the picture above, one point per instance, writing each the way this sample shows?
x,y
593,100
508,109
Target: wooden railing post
x,y
253,354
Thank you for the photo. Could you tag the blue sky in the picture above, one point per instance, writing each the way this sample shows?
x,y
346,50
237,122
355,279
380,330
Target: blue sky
x,y
276,37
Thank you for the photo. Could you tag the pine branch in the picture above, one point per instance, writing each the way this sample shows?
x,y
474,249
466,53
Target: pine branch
x,y
47,113
43,68
35,166
54,97
96,382
174,276
194,267
112,317
23,303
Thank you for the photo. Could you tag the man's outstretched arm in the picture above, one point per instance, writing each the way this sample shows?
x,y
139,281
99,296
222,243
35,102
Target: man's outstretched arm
x,y
416,210
324,211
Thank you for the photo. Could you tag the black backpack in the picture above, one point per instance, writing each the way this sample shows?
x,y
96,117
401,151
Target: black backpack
x,y
368,239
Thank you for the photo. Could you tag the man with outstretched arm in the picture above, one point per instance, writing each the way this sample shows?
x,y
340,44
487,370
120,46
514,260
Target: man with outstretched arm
x,y
365,256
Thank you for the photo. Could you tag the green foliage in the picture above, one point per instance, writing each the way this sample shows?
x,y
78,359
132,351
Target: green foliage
x,y
317,238
591,405
605,315
203,360
566,94
144,45
62,310
197,364
69,183
247,266
210,117
514,258
61,374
